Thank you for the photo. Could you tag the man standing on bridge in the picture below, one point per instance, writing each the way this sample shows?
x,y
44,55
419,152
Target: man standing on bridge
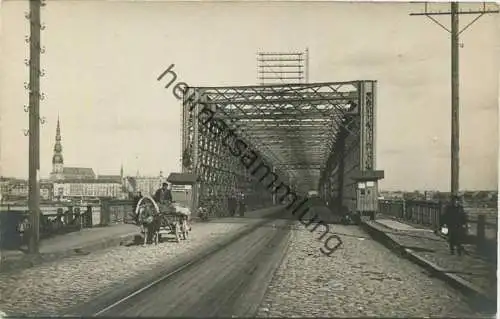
x,y
232,203
456,220
241,204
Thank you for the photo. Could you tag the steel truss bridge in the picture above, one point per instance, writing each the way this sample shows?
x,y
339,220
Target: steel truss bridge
x,y
315,136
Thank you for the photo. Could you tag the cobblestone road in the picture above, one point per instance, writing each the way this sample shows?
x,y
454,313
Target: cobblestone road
x,y
471,266
51,287
362,278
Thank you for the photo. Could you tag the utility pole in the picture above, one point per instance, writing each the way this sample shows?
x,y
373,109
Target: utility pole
x,y
455,79
34,124
455,102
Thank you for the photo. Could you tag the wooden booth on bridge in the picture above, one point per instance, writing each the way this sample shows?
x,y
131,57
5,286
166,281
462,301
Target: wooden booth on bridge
x,y
367,192
184,189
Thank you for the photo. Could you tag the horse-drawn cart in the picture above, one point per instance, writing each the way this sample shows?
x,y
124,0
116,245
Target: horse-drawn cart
x,y
174,222
160,220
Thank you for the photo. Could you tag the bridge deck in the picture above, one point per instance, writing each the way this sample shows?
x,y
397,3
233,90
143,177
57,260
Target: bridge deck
x,y
472,268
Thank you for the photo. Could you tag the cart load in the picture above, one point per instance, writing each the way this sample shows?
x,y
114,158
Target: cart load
x,y
171,219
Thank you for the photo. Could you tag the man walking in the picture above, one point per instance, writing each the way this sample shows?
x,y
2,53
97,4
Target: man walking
x,y
456,220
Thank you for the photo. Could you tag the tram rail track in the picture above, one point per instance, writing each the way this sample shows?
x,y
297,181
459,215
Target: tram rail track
x,y
111,300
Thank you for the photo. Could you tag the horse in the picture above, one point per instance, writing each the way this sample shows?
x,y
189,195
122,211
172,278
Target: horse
x,y
150,221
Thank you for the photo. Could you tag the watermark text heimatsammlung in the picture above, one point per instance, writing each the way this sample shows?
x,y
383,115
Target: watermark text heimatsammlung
x,y
250,159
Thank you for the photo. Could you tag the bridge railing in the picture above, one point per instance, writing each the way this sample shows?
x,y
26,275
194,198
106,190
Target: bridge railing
x,y
482,222
116,212
423,213
72,217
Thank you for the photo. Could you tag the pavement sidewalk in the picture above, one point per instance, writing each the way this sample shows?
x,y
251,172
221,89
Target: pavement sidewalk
x,y
86,241
81,242
471,273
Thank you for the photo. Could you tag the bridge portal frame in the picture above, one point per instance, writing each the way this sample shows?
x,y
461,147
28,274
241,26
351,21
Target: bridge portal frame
x,y
350,145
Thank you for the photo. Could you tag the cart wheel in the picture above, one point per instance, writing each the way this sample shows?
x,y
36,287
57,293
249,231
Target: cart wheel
x,y
183,230
177,234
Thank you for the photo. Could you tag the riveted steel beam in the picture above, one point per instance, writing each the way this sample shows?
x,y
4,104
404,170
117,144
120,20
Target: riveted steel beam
x,y
294,129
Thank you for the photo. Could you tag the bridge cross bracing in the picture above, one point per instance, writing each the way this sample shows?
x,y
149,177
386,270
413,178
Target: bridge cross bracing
x,y
315,136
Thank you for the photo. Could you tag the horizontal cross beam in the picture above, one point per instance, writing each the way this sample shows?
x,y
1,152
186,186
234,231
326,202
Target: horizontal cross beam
x,y
332,86
449,12
279,100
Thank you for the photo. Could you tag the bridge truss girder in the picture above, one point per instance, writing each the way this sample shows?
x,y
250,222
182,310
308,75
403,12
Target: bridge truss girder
x,y
297,130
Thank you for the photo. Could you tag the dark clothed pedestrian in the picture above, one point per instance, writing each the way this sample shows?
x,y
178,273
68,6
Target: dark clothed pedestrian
x,y
241,205
456,221
24,229
60,218
88,217
232,205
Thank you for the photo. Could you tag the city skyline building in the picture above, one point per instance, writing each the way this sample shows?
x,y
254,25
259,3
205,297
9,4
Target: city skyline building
x,y
59,172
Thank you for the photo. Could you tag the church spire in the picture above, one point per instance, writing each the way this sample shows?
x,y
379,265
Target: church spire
x,y
121,171
58,130
57,158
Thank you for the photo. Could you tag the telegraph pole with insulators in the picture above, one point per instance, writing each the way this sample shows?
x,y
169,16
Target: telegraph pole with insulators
x,y
34,122
455,78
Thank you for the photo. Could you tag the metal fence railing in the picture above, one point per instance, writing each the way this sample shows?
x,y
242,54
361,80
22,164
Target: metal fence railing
x,y
116,212
483,222
62,218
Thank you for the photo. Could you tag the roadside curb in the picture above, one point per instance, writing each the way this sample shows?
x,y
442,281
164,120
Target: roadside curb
x,y
479,297
20,261
24,261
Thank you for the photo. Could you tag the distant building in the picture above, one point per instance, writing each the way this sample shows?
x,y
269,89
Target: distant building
x,y
79,182
110,178
59,172
78,173
4,187
18,189
46,190
73,189
429,195
145,185
13,189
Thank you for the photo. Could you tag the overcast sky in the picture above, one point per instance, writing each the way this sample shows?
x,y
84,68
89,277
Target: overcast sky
x,y
102,59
